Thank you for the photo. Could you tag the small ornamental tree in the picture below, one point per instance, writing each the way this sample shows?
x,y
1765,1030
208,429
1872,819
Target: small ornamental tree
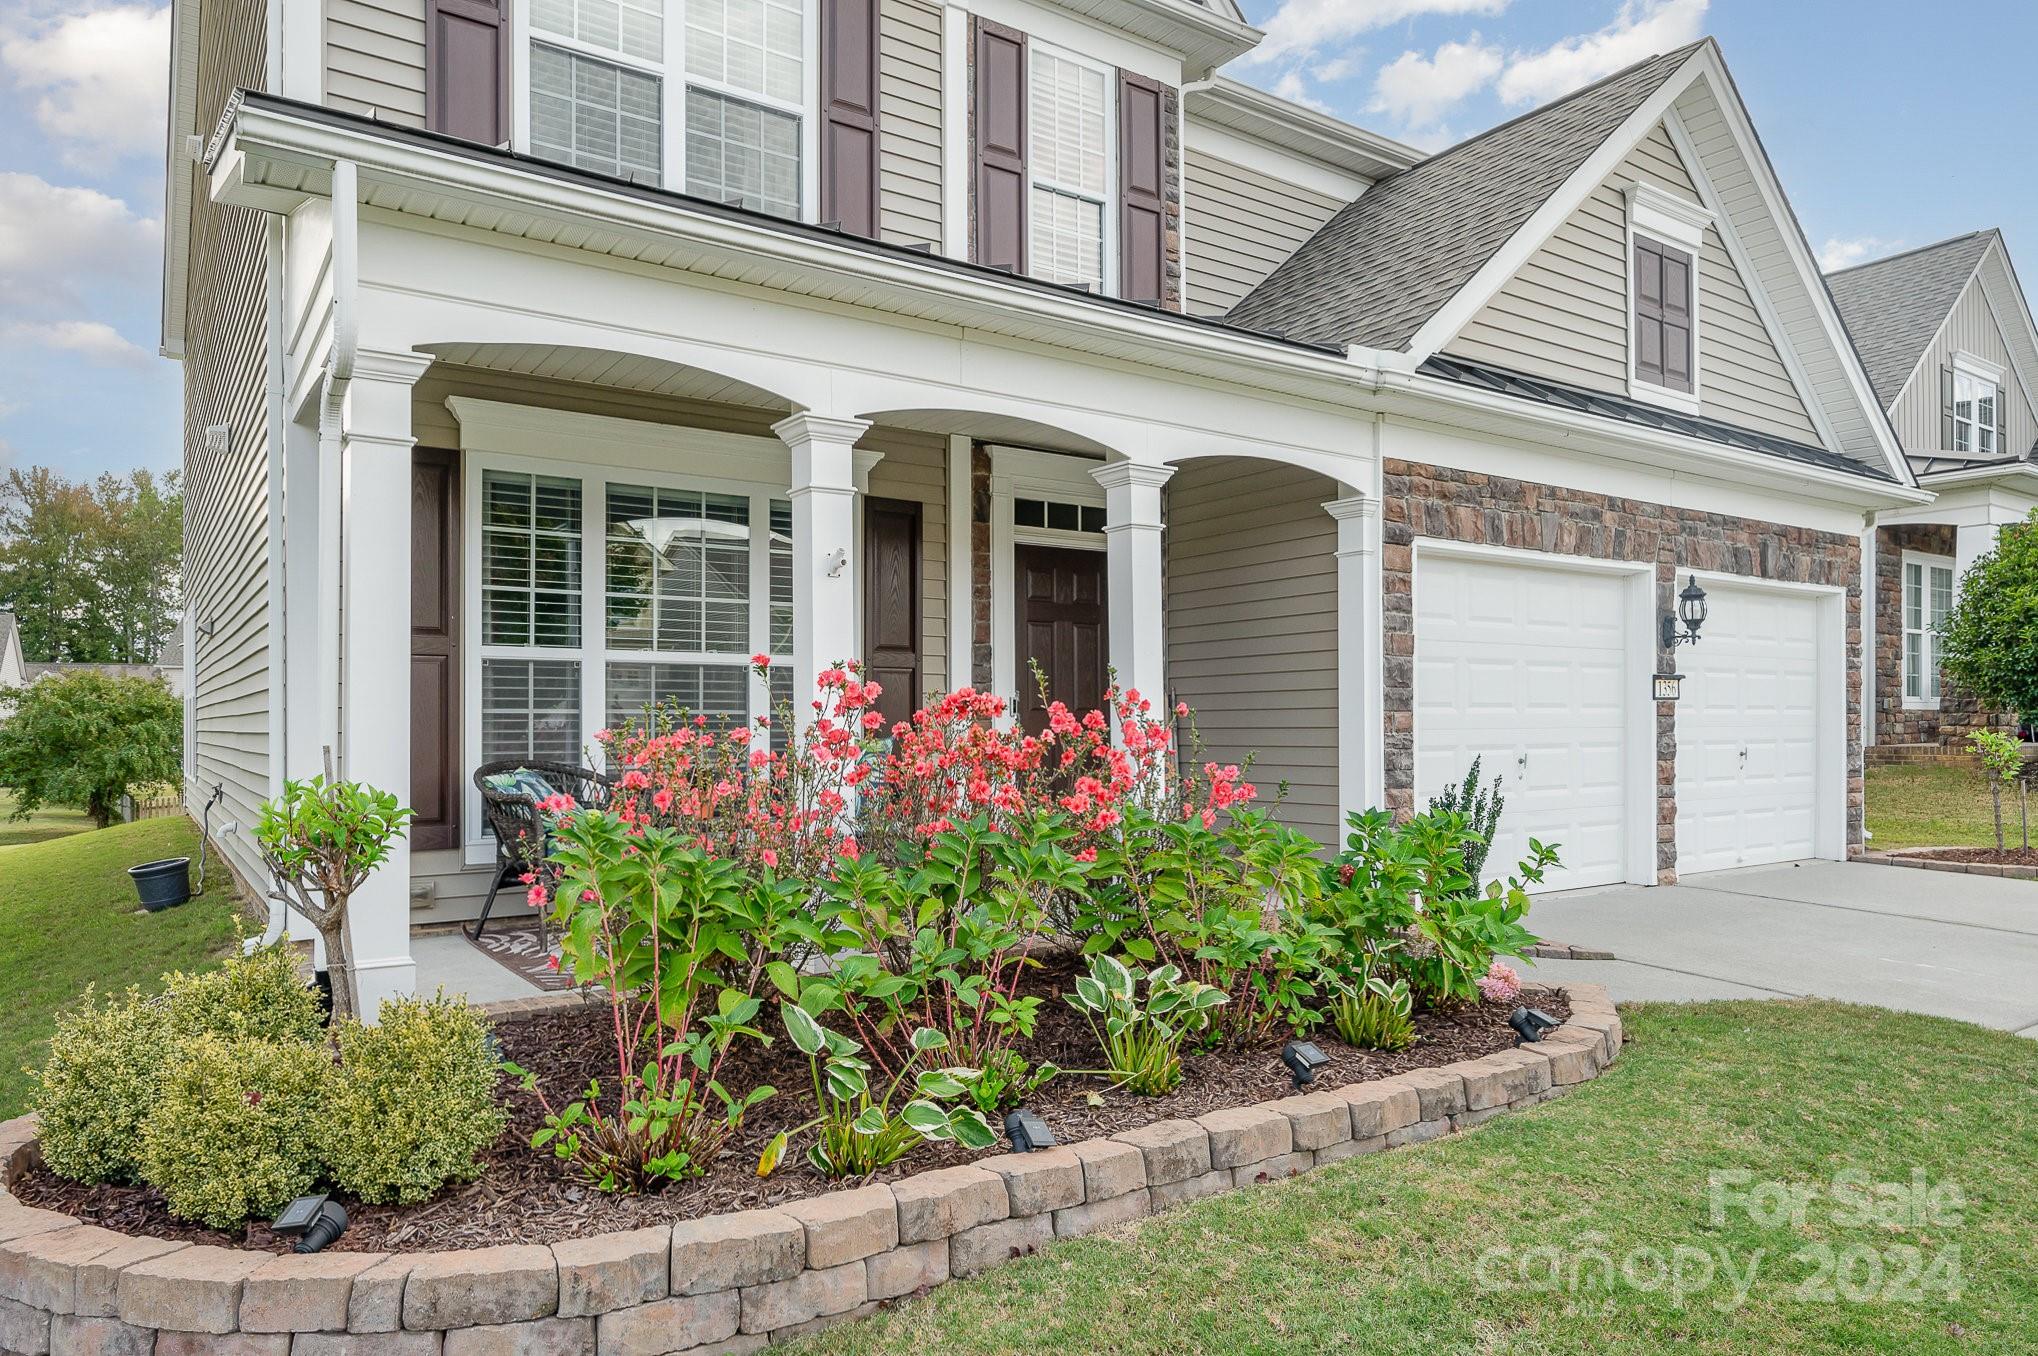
x,y
83,739
2002,762
1989,642
321,840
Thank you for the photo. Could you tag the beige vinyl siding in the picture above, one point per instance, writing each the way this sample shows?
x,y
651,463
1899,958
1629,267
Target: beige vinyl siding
x,y
909,122
1252,626
1241,224
915,468
226,494
375,58
1971,328
1564,314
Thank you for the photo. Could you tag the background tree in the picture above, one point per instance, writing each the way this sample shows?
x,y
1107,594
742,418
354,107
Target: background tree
x,y
138,559
91,571
1989,642
86,740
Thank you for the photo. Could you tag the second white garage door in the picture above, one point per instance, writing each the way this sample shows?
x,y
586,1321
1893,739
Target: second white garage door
x,y
1527,667
1748,732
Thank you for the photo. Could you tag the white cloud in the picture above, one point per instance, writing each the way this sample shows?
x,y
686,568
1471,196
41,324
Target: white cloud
x,y
1300,27
1643,28
54,238
99,79
1845,253
89,339
1417,91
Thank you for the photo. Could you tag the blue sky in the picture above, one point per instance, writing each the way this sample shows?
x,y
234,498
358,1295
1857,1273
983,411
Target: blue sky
x,y
1892,124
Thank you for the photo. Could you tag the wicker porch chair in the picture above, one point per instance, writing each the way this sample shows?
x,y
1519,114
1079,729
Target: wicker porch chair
x,y
520,833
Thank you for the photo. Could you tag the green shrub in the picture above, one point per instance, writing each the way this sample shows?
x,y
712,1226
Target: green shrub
x,y
260,996
1374,1015
234,1134
98,1084
414,1101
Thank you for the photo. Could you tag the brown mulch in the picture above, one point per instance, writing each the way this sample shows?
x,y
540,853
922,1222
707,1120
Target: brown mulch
x,y
527,1196
1988,856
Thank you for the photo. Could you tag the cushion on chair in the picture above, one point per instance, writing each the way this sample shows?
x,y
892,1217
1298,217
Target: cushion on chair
x,y
522,781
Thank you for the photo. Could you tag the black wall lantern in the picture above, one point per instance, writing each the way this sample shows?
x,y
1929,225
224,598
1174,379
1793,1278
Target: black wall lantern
x,y
1690,612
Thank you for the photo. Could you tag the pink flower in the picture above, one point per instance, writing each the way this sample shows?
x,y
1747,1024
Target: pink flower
x,y
1500,983
770,858
1087,855
760,661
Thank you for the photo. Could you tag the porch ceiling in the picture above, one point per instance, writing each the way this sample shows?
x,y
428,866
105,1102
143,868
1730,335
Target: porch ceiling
x,y
601,367
991,428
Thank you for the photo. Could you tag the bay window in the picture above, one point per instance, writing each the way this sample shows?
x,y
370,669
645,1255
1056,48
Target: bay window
x,y
1068,115
705,96
1928,597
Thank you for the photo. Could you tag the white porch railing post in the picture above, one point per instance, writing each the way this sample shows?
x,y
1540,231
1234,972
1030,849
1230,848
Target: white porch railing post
x,y
1359,713
825,600
375,506
1132,535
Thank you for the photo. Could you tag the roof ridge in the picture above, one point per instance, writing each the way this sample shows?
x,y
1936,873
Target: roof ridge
x,y
1915,250
1540,109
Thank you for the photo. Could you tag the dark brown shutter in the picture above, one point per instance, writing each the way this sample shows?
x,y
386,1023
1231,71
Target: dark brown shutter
x,y
1648,312
1662,315
1141,166
435,780
891,605
2002,420
1946,408
849,114
467,63
1000,116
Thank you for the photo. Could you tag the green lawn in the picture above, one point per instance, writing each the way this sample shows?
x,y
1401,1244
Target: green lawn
x,y
45,824
1384,1254
68,918
1930,806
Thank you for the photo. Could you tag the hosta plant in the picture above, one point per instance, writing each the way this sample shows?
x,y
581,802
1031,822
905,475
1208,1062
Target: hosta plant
x,y
1142,1035
1375,1014
859,1130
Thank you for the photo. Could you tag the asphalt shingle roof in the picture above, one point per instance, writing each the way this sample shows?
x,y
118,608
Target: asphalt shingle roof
x,y
1892,307
1390,260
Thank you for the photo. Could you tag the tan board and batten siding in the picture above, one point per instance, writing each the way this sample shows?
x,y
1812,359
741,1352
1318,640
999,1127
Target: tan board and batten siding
x,y
913,468
375,58
1242,223
1252,626
1564,315
909,122
1970,328
226,488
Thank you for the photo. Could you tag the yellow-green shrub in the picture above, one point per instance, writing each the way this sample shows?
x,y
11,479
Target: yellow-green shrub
x,y
235,1130
414,1101
261,995
96,1088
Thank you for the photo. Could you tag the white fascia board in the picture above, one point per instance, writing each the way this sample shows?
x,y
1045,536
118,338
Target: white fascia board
x,y
178,172
306,148
1200,37
1275,161
2021,476
1300,130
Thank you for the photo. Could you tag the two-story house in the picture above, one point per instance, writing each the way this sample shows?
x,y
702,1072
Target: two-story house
x,y
548,359
1946,335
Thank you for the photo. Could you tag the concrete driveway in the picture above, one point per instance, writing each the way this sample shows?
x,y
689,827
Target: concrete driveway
x,y
1925,941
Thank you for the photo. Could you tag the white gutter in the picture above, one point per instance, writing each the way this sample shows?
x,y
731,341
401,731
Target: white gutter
x,y
2006,474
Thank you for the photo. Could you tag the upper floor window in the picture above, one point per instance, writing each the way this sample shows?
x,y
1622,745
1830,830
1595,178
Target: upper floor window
x,y
707,96
1976,410
1665,235
1069,122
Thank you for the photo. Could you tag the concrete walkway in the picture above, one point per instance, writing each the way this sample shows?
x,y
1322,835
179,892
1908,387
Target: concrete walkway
x,y
1923,941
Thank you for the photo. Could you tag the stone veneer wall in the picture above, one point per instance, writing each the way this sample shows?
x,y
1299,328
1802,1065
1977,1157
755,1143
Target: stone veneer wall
x,y
729,1283
1957,712
1468,506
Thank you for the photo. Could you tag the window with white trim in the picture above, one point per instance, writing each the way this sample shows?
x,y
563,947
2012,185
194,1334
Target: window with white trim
x,y
725,80
1068,121
531,626
1974,412
1928,597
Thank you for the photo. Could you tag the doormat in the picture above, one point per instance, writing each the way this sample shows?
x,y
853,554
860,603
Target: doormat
x,y
518,948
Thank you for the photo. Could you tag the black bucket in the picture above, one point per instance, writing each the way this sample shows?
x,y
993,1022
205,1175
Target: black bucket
x,y
164,884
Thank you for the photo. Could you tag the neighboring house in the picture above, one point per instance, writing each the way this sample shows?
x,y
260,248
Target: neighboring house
x,y
13,668
1946,335
536,369
17,672
169,664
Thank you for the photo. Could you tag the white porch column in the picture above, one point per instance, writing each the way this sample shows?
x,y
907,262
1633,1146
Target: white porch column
x,y
1361,772
825,600
1132,535
375,501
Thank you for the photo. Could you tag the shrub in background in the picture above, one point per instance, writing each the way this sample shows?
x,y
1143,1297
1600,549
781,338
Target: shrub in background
x,y
413,1102
85,739
96,1088
262,996
1481,807
1988,644
234,1134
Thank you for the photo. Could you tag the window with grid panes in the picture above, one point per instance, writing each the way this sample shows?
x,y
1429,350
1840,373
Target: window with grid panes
x,y
1068,137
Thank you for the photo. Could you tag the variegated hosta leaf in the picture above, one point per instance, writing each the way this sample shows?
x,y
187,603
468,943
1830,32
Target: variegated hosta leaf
x,y
870,1122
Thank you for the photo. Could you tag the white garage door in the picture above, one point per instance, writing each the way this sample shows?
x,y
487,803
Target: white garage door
x,y
1747,732
1526,668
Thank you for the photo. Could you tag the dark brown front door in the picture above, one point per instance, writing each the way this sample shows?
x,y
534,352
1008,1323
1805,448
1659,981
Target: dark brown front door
x,y
435,648
1062,611
891,604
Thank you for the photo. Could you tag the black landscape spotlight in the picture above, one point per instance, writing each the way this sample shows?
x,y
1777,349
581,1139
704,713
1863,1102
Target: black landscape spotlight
x,y
1027,1131
315,1221
1529,1024
1303,1060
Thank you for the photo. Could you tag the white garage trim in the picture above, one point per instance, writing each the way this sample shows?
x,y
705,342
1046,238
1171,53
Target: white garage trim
x,y
1829,839
1638,761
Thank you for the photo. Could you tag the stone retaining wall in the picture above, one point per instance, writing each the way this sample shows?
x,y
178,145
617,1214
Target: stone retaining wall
x,y
729,1283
